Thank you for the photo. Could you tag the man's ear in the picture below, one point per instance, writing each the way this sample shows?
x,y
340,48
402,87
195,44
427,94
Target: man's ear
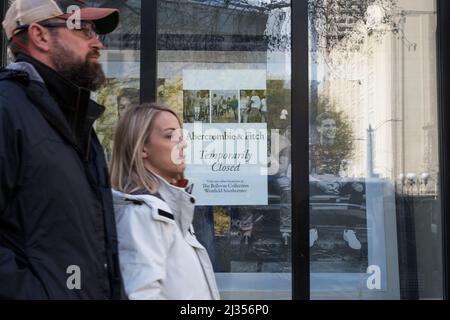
x,y
39,37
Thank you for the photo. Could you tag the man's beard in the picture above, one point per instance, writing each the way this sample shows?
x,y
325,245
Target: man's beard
x,y
86,74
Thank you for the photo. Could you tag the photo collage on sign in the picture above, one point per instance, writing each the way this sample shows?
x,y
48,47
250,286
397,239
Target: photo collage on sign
x,y
225,106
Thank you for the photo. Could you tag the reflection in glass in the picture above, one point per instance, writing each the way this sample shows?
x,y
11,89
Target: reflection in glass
x,y
374,165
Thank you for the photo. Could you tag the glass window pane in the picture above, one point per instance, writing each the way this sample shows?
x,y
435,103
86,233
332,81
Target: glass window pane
x,y
224,66
375,213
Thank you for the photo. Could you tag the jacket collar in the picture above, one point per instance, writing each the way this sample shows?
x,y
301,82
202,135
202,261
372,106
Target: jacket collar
x,y
180,201
68,107
68,95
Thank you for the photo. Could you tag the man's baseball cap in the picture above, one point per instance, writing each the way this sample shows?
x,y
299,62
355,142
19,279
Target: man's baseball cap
x,y
25,12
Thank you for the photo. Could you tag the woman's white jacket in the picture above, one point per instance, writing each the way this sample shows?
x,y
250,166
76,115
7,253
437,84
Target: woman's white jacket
x,y
160,257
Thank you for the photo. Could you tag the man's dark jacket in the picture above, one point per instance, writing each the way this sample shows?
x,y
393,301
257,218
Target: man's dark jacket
x,y
56,212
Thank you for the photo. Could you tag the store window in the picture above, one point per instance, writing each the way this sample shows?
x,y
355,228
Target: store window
x,y
224,66
375,217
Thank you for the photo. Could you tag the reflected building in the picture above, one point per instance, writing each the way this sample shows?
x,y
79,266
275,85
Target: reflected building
x,y
388,85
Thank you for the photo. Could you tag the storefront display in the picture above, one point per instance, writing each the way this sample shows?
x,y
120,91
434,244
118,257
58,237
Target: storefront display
x,y
368,137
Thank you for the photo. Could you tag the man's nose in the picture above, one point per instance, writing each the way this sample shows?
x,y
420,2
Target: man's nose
x,y
96,43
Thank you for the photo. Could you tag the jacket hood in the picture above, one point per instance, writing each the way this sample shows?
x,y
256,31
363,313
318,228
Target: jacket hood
x,y
123,199
179,200
33,75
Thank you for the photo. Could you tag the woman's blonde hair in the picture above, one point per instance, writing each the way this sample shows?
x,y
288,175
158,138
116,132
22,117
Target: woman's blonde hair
x,y
128,172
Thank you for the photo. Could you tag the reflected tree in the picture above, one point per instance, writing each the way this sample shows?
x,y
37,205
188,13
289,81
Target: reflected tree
x,y
343,24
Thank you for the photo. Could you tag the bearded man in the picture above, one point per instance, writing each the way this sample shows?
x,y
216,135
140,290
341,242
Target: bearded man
x,y
57,228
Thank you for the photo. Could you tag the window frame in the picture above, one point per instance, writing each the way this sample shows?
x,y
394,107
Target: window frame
x,y
443,73
149,51
300,151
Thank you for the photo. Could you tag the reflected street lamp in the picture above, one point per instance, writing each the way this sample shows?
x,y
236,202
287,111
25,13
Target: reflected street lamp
x,y
370,157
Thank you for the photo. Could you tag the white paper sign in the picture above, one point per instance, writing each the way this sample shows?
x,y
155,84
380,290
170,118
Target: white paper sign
x,y
227,163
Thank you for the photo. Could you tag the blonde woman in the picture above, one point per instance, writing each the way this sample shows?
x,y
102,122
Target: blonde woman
x,y
160,257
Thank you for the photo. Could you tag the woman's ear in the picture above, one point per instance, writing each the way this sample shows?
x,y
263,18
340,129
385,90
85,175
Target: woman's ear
x,y
145,153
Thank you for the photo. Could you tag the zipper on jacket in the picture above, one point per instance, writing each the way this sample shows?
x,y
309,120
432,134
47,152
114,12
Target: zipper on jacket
x,y
88,145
